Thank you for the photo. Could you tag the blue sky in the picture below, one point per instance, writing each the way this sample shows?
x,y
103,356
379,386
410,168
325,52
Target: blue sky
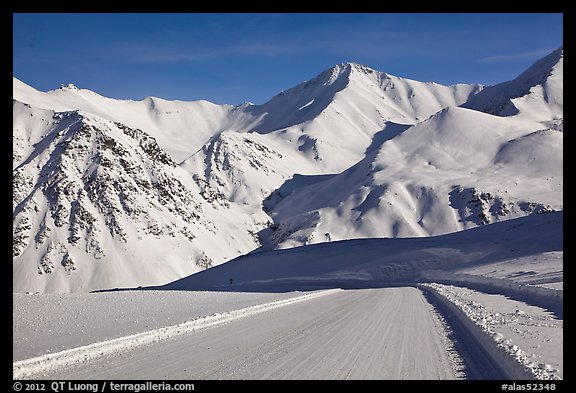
x,y
232,58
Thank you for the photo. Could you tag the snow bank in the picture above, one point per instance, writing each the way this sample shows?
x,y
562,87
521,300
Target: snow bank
x,y
552,299
486,327
38,365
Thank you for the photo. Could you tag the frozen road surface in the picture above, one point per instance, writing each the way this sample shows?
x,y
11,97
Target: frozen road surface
x,y
381,333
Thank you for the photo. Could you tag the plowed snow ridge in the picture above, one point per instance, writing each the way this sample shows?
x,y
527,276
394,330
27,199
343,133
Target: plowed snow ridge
x,y
37,365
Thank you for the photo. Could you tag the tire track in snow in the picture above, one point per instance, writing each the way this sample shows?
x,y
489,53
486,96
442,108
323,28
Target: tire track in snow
x,y
38,365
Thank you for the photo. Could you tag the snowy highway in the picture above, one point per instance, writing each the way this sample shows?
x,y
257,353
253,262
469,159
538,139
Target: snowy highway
x,y
381,333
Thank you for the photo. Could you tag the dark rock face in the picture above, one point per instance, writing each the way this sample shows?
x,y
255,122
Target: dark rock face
x,y
93,179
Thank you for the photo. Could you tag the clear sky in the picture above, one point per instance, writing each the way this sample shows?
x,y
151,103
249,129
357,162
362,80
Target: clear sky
x,y
232,58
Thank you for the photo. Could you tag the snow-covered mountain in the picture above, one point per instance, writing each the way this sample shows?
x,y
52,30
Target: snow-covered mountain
x,y
337,112
99,204
180,127
322,126
537,92
458,169
115,193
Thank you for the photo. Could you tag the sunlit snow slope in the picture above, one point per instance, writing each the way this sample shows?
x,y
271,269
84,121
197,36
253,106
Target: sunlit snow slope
x,y
114,193
365,262
457,169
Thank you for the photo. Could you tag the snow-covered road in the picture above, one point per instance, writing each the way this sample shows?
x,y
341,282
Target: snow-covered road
x,y
381,333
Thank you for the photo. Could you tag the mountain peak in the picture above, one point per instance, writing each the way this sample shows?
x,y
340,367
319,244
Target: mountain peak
x,y
361,68
68,87
541,70
351,67
341,72
538,90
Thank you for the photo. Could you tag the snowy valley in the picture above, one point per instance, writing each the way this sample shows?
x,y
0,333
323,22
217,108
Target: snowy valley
x,y
353,179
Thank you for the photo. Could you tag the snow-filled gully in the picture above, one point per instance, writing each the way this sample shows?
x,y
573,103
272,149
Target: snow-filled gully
x,y
38,365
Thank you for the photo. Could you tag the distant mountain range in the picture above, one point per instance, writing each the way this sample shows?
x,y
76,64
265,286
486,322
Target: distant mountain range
x,y
117,193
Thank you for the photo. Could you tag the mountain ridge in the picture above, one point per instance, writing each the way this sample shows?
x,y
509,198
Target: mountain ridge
x,y
540,80
352,153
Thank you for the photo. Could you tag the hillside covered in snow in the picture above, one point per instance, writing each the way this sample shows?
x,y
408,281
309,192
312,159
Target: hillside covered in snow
x,y
117,193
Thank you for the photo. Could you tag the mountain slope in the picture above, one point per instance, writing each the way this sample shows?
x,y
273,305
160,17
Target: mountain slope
x,y
347,103
246,167
116,193
383,260
99,204
455,170
319,127
180,127
363,93
334,117
537,92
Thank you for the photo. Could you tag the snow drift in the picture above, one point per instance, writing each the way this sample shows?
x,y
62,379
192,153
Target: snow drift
x,y
365,262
